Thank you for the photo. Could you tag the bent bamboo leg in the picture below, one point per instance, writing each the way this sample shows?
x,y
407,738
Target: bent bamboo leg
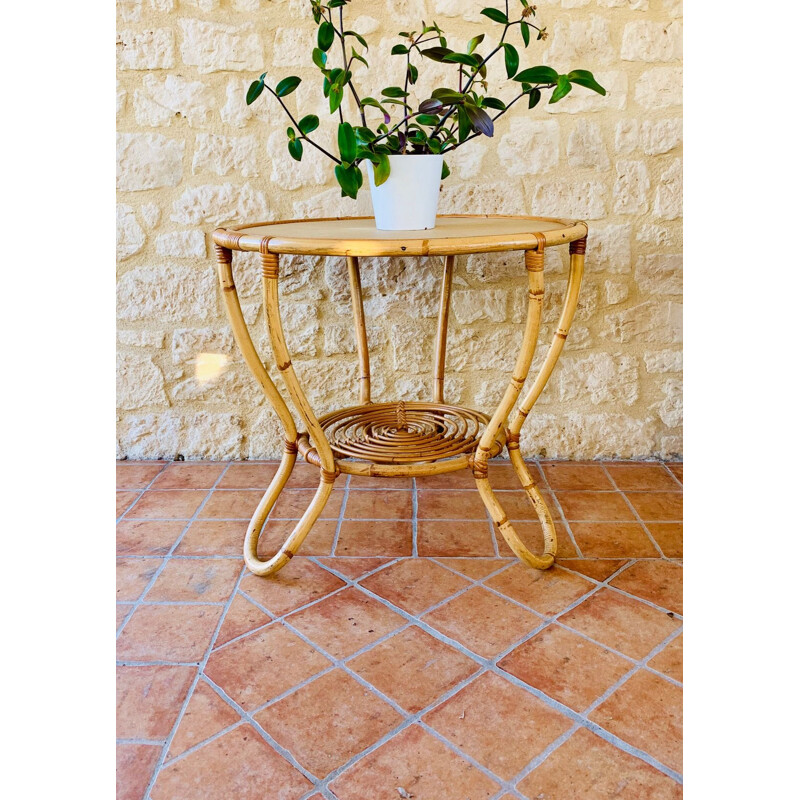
x,y
359,322
256,366
534,263
441,330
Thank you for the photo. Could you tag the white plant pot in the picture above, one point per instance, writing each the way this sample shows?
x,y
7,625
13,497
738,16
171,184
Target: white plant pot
x,y
407,199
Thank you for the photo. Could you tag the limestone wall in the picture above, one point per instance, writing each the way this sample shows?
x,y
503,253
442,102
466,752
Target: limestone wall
x,y
192,156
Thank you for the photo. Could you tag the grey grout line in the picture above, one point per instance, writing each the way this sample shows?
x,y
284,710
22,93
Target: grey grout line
x,y
414,518
380,519
194,747
157,742
181,556
346,497
172,549
636,514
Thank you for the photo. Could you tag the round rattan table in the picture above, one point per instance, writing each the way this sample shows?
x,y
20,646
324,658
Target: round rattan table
x,y
400,438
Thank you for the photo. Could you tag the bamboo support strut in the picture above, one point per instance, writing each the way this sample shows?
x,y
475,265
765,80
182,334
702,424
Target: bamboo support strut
x,y
354,274
441,332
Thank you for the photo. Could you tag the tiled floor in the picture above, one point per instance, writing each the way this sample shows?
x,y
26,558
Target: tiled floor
x,y
403,653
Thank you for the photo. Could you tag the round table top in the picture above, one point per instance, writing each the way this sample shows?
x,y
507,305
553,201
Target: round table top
x,y
358,236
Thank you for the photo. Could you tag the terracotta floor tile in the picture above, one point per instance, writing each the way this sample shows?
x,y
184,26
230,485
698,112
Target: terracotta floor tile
x,y
135,765
568,476
447,538
167,505
133,575
620,622
239,764
124,501
595,506
586,767
122,612
546,591
657,506
346,622
596,568
390,538
660,582
413,668
419,764
299,582
168,633
354,568
478,720
379,504
319,540
565,666
519,508
306,476
669,536
189,475
147,537
292,504
137,475
475,568
364,482
241,618
647,712
415,584
196,580
669,661
246,475
207,537
450,504
676,468
259,667
482,621
149,699
206,714
461,479
231,504
643,477
613,540
328,721
530,531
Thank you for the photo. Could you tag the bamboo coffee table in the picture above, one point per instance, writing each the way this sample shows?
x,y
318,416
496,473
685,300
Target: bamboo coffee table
x,y
402,438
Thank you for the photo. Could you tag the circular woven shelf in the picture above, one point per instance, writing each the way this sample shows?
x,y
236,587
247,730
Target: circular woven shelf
x,y
403,432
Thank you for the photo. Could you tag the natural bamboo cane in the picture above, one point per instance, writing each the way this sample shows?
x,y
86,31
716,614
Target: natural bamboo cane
x,y
354,274
441,331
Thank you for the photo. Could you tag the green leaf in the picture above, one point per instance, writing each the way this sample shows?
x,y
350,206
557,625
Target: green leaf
x,y
287,86
563,88
348,179
413,74
495,14
337,3
325,36
382,169
256,87
494,102
319,58
461,58
431,106
296,149
290,133
448,96
399,50
540,74
436,53
512,60
309,123
526,33
357,57
427,119
585,78
534,96
475,41
364,135
359,38
480,120
464,125
445,170
394,91
336,96
347,142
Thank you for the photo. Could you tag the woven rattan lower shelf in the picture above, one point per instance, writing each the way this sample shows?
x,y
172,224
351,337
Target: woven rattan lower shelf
x,y
402,437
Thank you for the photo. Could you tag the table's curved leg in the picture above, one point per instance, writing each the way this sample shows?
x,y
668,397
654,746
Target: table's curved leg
x,y
253,361
441,329
534,262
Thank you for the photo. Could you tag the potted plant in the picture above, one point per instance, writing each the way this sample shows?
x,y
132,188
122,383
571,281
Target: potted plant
x,y
405,152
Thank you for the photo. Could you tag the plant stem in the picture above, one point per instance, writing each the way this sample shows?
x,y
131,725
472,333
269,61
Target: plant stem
x,y
345,64
301,134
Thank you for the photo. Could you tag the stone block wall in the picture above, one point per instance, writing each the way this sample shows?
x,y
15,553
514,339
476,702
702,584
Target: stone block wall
x,y
191,156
